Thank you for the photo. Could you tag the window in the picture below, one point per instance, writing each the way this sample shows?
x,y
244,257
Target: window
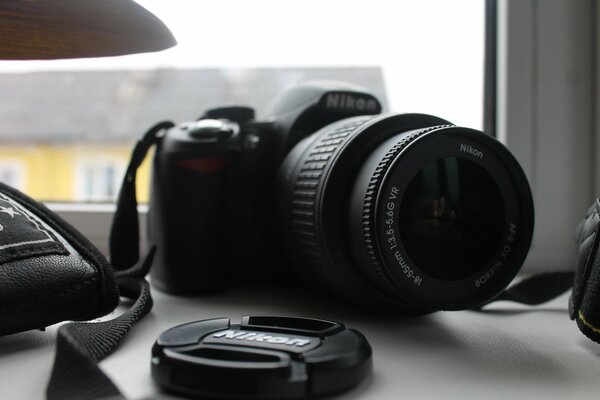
x,y
546,88
416,56
12,173
98,179
62,107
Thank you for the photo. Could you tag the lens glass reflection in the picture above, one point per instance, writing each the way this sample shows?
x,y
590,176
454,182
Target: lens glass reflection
x,y
452,218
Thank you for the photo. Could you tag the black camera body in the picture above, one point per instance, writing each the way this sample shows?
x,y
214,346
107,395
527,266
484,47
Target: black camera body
x,y
211,209
386,210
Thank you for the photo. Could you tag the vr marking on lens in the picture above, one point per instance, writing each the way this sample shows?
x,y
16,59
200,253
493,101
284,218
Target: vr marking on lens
x,y
465,148
389,222
392,241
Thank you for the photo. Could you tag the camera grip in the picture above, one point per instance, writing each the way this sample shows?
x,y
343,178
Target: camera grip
x,y
186,217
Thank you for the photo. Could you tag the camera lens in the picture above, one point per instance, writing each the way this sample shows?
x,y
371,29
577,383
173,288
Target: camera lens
x,y
451,218
406,212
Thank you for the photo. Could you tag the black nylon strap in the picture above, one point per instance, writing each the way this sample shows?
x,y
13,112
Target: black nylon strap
x,y
81,345
538,289
124,233
584,302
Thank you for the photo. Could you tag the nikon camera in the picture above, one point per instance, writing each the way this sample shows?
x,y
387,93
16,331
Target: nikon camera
x,y
403,212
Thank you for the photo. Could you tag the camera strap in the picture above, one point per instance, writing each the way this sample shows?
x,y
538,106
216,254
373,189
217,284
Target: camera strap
x,y
81,345
537,289
584,302
124,239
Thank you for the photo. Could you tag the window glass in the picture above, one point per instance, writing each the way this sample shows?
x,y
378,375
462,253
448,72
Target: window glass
x,y
415,56
12,172
98,178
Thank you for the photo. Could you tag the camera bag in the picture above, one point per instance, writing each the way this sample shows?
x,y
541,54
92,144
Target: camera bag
x,y
50,273
584,304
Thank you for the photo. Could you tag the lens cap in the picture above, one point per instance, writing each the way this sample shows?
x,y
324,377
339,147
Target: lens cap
x,y
266,357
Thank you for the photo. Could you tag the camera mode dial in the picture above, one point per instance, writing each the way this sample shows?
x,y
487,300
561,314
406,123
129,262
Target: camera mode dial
x,y
212,129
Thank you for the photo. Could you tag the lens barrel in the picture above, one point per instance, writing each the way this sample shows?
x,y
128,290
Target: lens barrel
x,y
406,212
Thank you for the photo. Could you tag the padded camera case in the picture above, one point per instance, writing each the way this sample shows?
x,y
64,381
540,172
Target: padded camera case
x,y
584,304
49,272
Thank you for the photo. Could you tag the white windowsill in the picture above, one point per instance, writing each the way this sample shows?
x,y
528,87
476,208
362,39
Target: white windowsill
x,y
94,220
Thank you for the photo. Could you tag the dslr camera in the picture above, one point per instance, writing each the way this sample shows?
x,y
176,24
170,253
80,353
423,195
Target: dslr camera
x,y
403,212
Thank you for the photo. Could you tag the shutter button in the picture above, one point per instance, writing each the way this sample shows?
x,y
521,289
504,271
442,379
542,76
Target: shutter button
x,y
211,129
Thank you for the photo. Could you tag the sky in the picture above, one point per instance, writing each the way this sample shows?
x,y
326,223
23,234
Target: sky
x,y
431,51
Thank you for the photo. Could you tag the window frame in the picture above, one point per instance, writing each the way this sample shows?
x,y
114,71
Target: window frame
x,y
546,75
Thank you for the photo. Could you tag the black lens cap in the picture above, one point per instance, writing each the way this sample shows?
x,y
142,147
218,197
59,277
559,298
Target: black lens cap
x,y
266,357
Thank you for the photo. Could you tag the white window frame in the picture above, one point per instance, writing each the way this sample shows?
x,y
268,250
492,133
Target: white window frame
x,y
545,115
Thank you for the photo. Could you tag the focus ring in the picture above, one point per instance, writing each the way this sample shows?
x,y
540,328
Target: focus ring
x,y
370,200
303,212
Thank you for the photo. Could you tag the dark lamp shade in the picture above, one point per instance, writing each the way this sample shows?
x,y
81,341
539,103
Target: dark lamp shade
x,y
55,29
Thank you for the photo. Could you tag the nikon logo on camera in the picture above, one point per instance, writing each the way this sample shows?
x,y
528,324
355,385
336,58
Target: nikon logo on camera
x,y
351,102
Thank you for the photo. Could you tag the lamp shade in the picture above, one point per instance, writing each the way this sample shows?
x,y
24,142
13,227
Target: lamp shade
x,y
54,29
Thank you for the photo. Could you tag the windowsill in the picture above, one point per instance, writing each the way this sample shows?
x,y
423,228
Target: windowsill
x,y
94,220
507,352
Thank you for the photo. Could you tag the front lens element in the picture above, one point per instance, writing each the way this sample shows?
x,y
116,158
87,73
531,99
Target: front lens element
x,y
452,218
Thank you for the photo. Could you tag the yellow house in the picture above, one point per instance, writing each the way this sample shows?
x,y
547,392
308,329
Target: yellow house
x,y
69,172
67,136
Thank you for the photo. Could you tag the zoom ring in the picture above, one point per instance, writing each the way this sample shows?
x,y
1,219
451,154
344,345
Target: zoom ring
x,y
304,197
369,204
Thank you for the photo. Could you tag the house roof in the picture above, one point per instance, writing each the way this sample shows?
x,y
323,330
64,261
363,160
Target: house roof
x,y
118,106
